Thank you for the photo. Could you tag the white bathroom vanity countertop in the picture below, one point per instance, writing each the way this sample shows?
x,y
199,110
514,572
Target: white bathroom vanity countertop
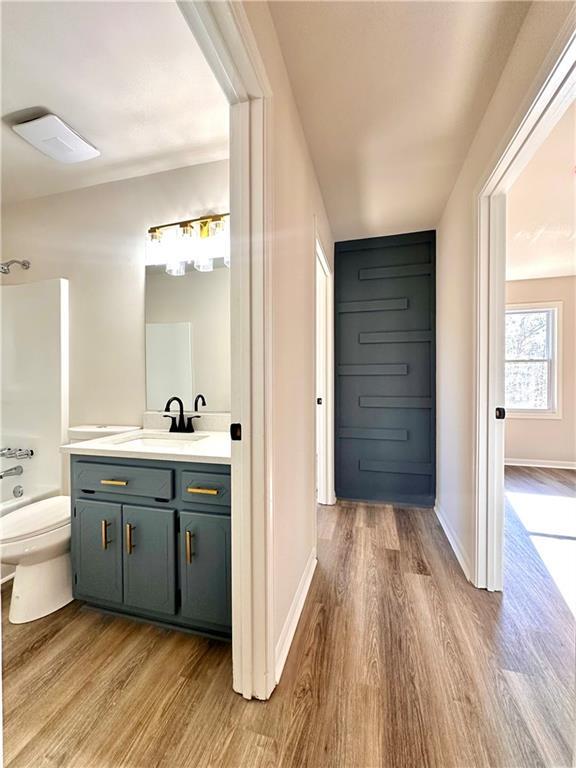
x,y
160,445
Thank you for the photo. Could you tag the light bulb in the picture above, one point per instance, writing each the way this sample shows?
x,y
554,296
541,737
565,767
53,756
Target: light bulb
x,y
176,268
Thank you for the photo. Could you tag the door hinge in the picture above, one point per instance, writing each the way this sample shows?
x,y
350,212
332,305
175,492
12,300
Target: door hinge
x,y
318,401
500,413
75,578
236,431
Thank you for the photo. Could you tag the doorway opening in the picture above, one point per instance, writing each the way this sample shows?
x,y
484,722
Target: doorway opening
x,y
324,379
218,37
511,371
539,367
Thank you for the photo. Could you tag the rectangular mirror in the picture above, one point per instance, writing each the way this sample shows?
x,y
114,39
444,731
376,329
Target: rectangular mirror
x,y
188,337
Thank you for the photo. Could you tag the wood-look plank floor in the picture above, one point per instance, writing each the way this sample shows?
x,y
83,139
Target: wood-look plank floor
x,y
398,662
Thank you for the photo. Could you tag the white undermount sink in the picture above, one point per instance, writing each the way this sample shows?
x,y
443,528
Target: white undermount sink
x,y
177,441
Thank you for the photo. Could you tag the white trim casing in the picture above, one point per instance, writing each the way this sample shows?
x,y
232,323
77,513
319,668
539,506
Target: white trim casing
x,y
291,623
496,398
541,114
224,34
241,398
325,479
542,463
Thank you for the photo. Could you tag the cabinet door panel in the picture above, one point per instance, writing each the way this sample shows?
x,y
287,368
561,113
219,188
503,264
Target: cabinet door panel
x,y
98,550
205,568
150,565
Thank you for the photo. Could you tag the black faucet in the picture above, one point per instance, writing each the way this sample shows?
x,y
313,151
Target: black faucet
x,y
200,398
179,423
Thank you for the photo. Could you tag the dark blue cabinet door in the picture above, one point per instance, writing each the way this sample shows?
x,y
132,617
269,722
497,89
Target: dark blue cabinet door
x,y
385,368
205,568
149,558
97,550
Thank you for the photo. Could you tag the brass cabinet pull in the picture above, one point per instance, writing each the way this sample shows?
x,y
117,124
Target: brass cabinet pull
x,y
204,491
104,530
189,550
129,544
122,483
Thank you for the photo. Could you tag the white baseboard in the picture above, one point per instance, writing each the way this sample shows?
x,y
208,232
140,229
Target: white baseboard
x,y
454,542
289,628
544,463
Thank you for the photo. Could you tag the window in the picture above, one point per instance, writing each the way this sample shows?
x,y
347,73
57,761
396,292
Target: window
x,y
531,359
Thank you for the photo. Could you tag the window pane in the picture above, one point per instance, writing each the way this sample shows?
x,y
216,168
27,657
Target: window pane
x,y
527,386
526,335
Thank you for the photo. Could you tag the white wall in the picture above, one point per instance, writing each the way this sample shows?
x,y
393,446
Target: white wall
x,y
95,237
550,440
457,243
203,300
297,202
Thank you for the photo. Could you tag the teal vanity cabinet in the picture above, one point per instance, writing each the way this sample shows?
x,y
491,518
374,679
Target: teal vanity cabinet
x,y
151,539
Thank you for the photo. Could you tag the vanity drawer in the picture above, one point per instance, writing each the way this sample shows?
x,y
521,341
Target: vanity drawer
x,y
124,480
205,488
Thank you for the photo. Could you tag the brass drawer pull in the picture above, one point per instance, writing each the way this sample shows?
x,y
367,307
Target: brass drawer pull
x,y
203,491
121,483
129,543
189,550
104,530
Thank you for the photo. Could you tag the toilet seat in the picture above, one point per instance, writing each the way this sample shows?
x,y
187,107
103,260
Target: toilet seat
x,y
35,519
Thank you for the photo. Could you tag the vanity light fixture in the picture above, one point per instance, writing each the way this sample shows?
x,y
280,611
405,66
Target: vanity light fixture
x,y
196,241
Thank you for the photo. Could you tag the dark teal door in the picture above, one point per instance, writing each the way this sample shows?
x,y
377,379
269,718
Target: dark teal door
x,y
205,568
149,558
97,550
385,369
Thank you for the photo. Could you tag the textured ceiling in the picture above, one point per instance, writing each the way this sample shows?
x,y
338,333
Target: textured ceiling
x,y
542,209
128,76
390,95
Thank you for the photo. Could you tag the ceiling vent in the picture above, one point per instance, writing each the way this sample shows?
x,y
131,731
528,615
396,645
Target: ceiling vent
x,y
54,138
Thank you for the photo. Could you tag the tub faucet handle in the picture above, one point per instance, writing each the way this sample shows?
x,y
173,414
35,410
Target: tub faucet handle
x,y
24,453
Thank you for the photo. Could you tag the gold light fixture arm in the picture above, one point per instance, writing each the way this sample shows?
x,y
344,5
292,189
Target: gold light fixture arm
x,y
203,221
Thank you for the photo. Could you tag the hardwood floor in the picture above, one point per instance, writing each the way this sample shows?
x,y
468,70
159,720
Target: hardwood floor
x,y
398,662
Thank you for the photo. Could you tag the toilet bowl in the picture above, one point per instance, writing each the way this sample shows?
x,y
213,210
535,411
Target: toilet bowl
x,y
36,539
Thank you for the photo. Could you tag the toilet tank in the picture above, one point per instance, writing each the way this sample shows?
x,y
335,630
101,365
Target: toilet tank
x,y
93,431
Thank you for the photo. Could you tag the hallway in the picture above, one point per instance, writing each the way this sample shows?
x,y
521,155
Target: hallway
x,y
397,661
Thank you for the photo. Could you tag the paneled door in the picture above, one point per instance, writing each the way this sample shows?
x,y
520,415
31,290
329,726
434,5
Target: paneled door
x,y
149,558
205,568
385,368
97,550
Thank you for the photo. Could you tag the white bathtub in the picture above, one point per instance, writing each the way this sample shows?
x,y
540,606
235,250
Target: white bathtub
x,y
9,505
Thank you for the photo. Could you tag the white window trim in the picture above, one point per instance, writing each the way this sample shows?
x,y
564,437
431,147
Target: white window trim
x,y
557,341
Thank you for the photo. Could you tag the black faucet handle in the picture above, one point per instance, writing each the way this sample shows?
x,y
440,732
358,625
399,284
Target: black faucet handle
x,y
189,425
173,425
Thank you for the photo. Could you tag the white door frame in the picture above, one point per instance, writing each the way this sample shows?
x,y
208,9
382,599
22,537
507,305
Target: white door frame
x,y
544,111
325,381
224,34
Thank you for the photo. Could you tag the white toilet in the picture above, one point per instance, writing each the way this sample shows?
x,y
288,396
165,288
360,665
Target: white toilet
x,y
36,539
